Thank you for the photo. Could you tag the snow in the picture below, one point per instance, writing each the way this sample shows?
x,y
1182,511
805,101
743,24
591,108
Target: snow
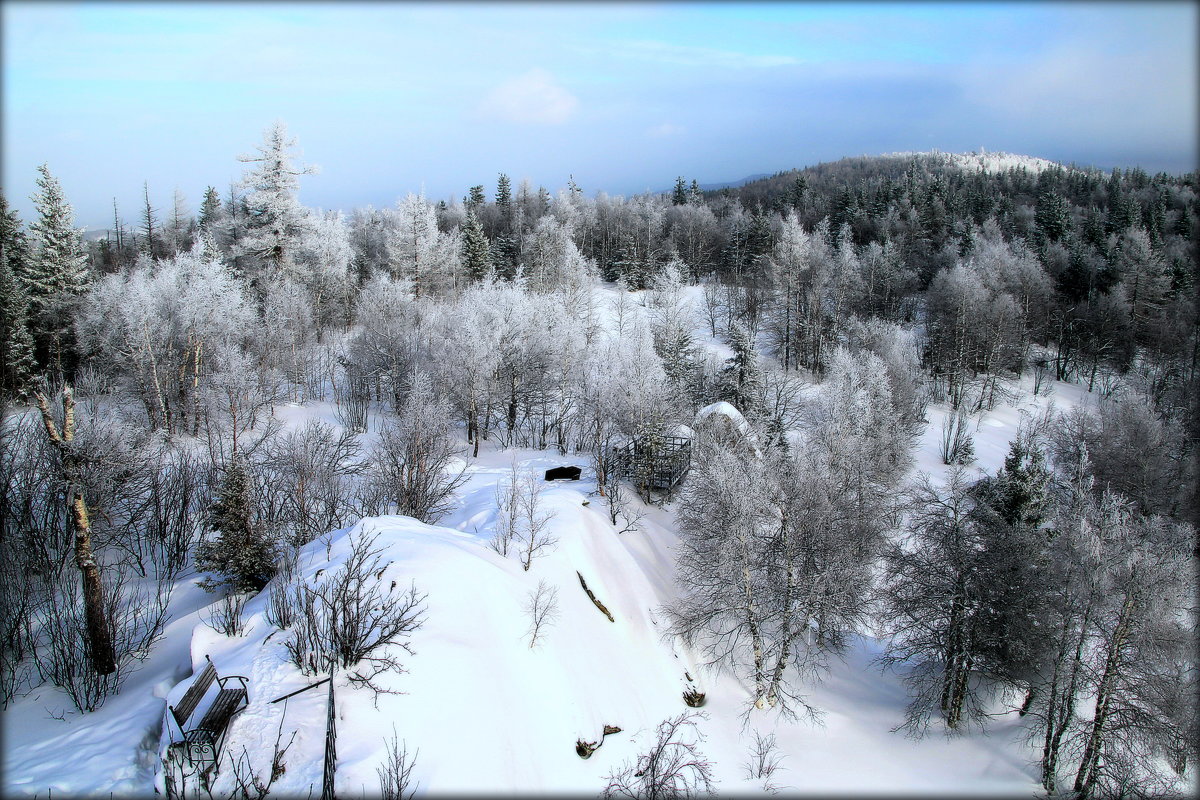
x,y
487,712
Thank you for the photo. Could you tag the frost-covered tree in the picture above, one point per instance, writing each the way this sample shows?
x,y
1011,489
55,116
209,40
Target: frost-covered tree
x,y
740,381
324,260
468,354
17,362
419,252
276,222
211,210
416,458
672,319
163,329
56,272
179,231
770,586
551,260
392,333
800,265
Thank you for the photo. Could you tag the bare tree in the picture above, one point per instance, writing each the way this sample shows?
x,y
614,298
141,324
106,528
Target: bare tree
x,y
673,767
542,607
351,620
520,521
765,760
414,462
533,537
395,776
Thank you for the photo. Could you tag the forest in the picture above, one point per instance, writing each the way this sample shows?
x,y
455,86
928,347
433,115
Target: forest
x,y
141,374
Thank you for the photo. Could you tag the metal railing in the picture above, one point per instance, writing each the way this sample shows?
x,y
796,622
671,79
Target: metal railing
x,y
330,749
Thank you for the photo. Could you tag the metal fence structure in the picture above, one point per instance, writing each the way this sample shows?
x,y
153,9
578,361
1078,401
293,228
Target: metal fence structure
x,y
330,749
657,463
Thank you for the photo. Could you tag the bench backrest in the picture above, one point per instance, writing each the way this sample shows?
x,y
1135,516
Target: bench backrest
x,y
191,697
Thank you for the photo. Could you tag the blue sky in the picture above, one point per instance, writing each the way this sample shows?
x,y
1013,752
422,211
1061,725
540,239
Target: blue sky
x,y
388,98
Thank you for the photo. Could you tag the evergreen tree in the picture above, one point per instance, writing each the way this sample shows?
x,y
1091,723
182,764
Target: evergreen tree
x,y
276,222
476,256
1019,493
1052,216
242,556
679,195
56,271
476,198
16,344
210,209
150,244
741,377
796,193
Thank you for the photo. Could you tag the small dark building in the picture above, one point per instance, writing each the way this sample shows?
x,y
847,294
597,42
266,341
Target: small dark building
x,y
563,474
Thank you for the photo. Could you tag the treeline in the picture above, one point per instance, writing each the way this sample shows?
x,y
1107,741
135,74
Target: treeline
x,y
166,346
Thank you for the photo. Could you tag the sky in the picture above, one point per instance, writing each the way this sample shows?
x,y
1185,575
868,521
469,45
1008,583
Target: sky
x,y
391,98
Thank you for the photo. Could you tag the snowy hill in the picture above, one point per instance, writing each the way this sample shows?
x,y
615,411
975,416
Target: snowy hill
x,y
984,161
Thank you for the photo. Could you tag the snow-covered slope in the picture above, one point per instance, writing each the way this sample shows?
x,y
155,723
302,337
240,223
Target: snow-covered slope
x,y
486,711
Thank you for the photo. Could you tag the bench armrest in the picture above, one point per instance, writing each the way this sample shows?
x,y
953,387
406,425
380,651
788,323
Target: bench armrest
x,y
241,678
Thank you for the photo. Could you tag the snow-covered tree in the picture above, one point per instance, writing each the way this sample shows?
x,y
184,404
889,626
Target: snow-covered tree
x,y
164,328
55,273
324,260
551,260
419,252
276,223
17,362
740,381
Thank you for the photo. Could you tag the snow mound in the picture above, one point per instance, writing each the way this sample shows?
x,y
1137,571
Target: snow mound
x,y
487,711
727,410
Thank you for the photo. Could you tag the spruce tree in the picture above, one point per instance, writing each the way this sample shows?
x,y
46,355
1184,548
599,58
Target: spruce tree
x,y
150,245
475,254
741,377
55,272
242,557
210,209
275,220
679,196
504,193
476,198
16,344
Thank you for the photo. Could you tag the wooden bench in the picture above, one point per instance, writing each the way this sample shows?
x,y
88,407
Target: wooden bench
x,y
201,744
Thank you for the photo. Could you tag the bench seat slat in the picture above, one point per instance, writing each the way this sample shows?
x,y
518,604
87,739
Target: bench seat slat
x,y
191,698
224,707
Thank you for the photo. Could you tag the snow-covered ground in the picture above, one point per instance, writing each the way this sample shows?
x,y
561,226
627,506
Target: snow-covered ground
x,y
487,712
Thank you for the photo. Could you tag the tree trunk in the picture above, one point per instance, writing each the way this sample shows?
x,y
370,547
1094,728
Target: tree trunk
x,y
98,633
1085,778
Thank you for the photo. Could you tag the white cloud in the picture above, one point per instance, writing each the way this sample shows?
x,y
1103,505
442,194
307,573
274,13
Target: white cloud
x,y
532,98
664,130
